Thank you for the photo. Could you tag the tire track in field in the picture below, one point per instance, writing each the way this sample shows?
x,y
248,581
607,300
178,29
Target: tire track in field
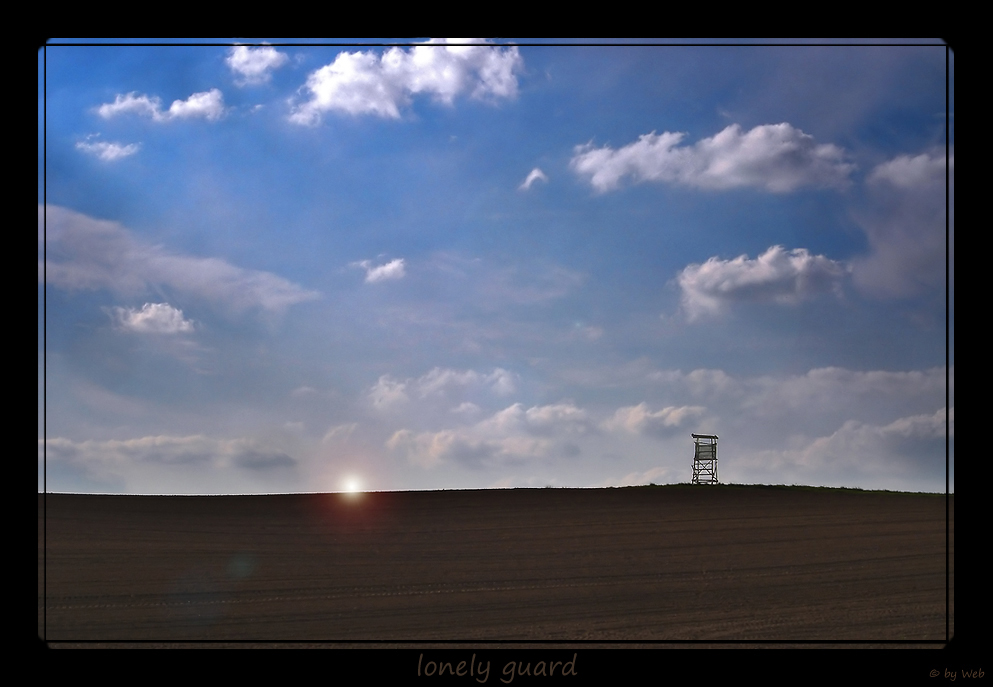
x,y
218,598
355,593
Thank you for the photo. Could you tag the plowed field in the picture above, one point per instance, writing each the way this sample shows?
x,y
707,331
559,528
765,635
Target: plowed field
x,y
648,563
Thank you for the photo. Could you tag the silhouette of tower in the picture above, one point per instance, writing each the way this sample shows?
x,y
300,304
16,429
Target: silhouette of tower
x,y
705,459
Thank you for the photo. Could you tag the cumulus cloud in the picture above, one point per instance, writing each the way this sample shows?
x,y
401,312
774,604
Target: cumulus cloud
x,y
868,448
821,387
909,172
208,105
704,382
467,408
254,66
441,383
430,449
106,151
132,103
776,428
555,418
816,392
777,275
512,435
922,426
831,422
87,254
388,392
362,83
905,226
394,269
535,175
772,157
444,380
153,318
640,420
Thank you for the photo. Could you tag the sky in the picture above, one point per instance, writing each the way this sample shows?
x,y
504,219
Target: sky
x,y
272,267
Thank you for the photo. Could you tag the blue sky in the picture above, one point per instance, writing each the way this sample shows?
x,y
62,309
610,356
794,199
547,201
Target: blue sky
x,y
271,268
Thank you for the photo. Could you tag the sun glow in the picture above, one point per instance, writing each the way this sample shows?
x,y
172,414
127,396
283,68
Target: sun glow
x,y
352,485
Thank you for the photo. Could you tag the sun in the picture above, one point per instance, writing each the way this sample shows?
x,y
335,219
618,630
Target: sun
x,y
352,485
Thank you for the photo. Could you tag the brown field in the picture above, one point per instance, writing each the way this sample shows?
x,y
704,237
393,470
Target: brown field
x,y
647,563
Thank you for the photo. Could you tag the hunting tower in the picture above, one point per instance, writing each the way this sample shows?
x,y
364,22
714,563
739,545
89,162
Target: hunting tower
x,y
705,459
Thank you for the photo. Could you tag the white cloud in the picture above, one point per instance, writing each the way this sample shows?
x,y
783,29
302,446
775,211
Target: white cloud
x,y
922,426
784,428
535,175
467,408
700,382
254,65
512,435
441,383
85,253
440,380
394,269
776,275
558,417
501,382
555,418
909,172
153,318
821,388
388,392
866,448
905,226
430,449
824,426
815,393
772,157
704,382
367,83
209,105
640,420
132,103
444,380
107,151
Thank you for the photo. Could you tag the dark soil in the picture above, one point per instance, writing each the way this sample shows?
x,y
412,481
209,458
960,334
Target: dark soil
x,y
645,563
